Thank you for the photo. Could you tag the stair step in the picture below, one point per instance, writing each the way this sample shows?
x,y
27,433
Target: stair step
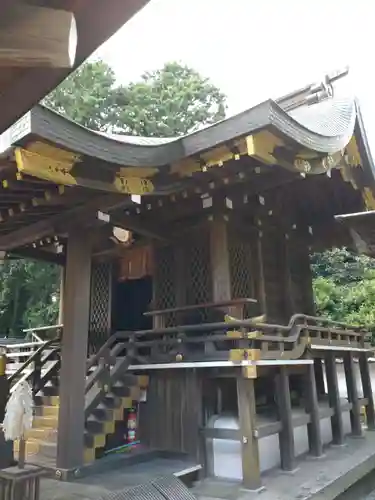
x,y
50,390
94,440
42,434
41,400
45,422
46,411
31,447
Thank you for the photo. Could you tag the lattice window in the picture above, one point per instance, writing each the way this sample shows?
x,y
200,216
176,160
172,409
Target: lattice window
x,y
198,280
240,269
165,295
100,306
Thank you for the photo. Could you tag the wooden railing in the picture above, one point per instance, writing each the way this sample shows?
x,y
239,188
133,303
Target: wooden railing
x,y
221,341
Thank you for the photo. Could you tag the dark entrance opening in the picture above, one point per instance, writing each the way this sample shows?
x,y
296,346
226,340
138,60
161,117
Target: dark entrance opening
x,y
131,299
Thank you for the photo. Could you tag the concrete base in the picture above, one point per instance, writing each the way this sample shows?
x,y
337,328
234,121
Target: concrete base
x,y
323,479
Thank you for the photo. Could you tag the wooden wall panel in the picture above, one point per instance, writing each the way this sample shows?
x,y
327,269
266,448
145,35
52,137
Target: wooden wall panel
x,y
274,272
300,277
172,415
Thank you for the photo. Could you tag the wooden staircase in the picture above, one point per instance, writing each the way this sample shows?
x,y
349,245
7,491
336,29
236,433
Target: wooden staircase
x,y
106,403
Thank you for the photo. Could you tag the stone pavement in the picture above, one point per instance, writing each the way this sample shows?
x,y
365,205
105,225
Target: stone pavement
x,y
318,479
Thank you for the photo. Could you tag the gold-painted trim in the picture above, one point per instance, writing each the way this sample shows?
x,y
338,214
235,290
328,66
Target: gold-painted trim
x,y
352,151
46,168
368,198
133,185
244,354
262,145
249,371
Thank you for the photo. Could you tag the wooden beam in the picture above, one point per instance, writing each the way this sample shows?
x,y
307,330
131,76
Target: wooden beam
x,y
45,256
143,228
96,22
59,223
34,36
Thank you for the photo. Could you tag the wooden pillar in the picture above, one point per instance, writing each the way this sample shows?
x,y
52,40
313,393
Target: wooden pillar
x,y
355,412
247,417
367,390
334,399
286,435
312,407
74,352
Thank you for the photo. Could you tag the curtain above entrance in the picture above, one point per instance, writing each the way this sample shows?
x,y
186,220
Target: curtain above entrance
x,y
136,263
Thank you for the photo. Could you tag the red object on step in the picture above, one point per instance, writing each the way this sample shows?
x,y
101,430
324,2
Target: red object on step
x,y
132,425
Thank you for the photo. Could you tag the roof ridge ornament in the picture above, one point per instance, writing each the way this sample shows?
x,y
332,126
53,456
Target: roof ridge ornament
x,y
313,93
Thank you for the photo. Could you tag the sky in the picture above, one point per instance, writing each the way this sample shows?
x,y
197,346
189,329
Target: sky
x,y
253,50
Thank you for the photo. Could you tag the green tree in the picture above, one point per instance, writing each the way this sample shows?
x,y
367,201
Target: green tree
x,y
172,101
344,287
27,295
168,102
87,96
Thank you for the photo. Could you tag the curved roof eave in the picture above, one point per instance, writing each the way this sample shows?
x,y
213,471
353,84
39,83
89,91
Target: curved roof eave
x,y
329,132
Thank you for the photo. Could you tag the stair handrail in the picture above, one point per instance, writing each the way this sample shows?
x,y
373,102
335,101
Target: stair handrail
x,y
36,354
33,331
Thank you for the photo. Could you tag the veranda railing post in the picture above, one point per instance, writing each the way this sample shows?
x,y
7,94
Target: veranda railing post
x,y
334,399
367,390
286,435
312,407
355,412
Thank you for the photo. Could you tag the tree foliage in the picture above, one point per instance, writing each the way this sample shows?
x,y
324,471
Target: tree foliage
x,y
87,96
171,101
27,293
344,287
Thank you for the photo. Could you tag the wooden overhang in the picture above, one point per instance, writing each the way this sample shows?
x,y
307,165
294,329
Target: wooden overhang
x,y
97,20
313,160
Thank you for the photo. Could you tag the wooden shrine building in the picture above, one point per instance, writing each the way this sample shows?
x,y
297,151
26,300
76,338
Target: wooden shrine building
x,y
187,283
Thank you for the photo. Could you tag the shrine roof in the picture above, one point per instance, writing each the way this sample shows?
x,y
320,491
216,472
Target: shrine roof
x,y
53,170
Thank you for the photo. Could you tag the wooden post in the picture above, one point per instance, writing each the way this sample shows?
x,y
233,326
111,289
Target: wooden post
x,y
247,417
74,352
319,376
334,399
312,407
286,435
367,390
355,412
